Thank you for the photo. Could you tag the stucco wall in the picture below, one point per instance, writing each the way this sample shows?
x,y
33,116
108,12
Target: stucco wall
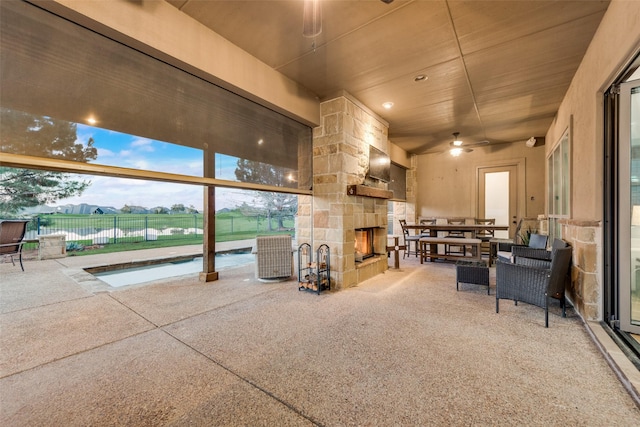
x,y
614,43
612,47
448,185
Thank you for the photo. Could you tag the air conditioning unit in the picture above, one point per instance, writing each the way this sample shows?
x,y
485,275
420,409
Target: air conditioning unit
x,y
274,257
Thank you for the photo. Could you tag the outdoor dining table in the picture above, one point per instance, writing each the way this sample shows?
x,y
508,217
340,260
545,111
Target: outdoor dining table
x,y
431,230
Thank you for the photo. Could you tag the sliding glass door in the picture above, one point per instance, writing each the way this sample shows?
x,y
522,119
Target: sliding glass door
x,y
629,202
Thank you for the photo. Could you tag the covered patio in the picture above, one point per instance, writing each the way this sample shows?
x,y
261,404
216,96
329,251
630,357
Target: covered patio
x,y
401,348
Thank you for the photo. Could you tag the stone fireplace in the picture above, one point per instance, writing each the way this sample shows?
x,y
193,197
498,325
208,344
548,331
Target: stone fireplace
x,y
364,243
344,199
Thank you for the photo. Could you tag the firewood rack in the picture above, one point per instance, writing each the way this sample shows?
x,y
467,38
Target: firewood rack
x,y
314,276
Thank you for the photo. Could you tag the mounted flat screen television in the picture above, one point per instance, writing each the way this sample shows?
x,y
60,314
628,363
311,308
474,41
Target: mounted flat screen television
x,y
379,165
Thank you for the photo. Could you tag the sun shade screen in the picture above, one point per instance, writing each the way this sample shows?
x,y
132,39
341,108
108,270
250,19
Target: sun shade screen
x,y
55,68
398,183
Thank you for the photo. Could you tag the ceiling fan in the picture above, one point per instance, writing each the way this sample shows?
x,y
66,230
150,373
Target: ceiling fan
x,y
458,146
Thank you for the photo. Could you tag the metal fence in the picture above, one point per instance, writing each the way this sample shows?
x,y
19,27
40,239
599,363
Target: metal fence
x,y
103,229
131,228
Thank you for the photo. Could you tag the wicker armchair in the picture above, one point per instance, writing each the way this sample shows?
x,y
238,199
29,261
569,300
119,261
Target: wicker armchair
x,y
536,257
536,241
534,284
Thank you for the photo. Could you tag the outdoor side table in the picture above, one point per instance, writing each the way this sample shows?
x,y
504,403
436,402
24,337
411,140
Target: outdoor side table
x,y
473,272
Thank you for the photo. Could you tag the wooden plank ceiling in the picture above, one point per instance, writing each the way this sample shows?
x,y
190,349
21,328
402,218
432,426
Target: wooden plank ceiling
x,y
497,70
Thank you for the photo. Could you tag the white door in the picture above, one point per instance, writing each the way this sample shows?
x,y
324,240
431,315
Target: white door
x,y
497,197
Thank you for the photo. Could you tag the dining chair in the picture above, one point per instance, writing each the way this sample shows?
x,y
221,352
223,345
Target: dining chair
x,y
408,238
485,235
455,249
427,221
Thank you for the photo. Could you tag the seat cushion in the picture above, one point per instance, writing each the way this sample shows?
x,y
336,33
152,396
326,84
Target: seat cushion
x,y
538,241
504,256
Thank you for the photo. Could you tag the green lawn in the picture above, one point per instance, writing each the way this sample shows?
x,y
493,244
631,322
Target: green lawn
x,y
173,230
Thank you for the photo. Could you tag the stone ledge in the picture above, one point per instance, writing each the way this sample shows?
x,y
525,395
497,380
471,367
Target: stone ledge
x,y
370,261
365,191
580,222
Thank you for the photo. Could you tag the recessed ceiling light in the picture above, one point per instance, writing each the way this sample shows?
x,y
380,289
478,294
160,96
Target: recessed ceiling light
x,y
387,105
92,120
420,78
260,141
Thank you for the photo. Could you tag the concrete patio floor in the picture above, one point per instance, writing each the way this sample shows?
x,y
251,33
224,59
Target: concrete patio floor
x,y
403,348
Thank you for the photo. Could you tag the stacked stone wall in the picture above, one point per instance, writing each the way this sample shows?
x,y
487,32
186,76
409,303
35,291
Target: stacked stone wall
x,y
341,158
586,272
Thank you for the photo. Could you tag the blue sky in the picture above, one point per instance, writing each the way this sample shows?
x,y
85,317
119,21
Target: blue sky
x,y
118,149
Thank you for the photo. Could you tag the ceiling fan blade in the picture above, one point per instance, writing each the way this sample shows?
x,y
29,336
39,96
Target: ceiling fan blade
x,y
469,144
311,18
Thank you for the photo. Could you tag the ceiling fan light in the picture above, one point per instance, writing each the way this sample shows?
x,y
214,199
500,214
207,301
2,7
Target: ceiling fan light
x,y
457,143
311,18
455,152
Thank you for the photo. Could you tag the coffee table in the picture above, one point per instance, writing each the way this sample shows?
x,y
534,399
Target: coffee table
x,y
473,272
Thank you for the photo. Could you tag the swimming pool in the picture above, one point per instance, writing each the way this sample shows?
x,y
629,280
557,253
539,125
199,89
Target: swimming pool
x,y
132,273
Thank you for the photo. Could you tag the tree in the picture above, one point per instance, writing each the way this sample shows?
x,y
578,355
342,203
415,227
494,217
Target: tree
x,y
23,188
178,208
41,136
276,204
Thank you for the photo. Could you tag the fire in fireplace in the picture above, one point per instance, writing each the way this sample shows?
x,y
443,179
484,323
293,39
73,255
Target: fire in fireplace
x,y
364,244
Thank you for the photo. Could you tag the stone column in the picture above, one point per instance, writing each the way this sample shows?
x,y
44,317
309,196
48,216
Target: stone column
x,y
52,246
341,158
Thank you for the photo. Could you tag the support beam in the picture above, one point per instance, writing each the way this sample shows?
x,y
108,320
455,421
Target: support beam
x,y
209,273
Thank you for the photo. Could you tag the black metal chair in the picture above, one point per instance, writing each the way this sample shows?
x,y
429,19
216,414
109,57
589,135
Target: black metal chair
x,y
12,233
534,283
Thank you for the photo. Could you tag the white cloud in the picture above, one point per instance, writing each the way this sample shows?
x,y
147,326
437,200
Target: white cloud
x,y
141,164
103,152
143,144
116,192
